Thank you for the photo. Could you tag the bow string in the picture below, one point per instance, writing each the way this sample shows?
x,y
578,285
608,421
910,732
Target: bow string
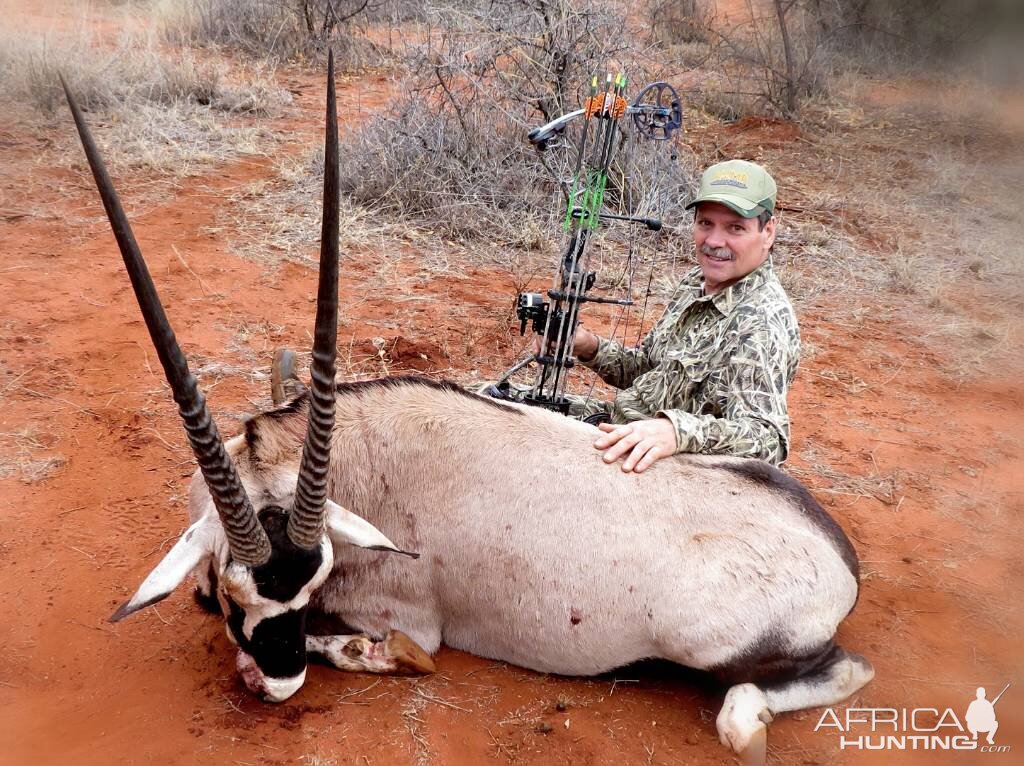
x,y
655,114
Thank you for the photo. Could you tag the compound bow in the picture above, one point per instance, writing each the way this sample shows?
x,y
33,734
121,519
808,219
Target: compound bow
x,y
656,114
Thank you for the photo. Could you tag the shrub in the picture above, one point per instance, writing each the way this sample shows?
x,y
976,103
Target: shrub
x,y
453,153
274,30
157,111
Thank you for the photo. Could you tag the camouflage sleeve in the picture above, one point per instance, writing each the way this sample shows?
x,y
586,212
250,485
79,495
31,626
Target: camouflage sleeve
x,y
755,419
619,366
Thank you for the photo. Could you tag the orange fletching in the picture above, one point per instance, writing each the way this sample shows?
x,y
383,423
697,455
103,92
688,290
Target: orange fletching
x,y
602,105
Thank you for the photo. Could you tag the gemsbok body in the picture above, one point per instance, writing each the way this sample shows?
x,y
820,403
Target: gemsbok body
x,y
520,543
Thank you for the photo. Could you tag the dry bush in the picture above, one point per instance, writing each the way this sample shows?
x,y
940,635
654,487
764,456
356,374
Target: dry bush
x,y
396,11
274,30
773,59
448,167
912,34
276,220
452,155
172,114
716,98
477,181
671,22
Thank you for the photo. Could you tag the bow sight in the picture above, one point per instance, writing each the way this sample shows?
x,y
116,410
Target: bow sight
x,y
656,115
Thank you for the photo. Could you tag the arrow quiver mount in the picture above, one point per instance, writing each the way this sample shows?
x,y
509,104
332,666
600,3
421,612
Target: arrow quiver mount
x,y
656,114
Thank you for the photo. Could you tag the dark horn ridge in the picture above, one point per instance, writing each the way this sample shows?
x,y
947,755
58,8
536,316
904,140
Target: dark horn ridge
x,y
305,525
247,539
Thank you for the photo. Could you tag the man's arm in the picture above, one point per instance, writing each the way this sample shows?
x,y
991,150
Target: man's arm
x,y
617,365
755,420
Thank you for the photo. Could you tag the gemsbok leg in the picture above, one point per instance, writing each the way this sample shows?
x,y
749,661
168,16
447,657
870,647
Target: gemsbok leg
x,y
748,708
397,653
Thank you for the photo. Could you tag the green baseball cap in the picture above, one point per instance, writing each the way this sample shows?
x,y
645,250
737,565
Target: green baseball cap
x,y
742,186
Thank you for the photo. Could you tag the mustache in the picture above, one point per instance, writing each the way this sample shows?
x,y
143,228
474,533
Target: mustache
x,y
718,252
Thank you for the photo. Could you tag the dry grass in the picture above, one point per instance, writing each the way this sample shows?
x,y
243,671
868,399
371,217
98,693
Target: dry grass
x,y
27,454
266,30
150,110
824,478
812,257
949,235
116,78
902,211
278,219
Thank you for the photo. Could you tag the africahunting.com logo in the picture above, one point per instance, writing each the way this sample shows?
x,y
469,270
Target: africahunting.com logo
x,y
925,728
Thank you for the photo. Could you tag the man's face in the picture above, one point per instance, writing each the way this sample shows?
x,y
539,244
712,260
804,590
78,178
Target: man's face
x,y
729,246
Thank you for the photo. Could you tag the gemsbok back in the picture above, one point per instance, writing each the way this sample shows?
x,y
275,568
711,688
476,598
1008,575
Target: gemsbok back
x,y
520,543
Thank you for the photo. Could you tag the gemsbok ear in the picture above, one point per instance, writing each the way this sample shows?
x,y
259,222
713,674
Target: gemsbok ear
x,y
343,526
198,542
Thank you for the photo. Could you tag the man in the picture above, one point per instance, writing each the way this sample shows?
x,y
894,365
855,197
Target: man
x,y
713,373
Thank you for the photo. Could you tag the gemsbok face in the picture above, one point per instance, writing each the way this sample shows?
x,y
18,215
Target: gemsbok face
x,y
262,537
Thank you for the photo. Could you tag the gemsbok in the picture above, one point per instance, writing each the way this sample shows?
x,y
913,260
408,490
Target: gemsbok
x,y
522,545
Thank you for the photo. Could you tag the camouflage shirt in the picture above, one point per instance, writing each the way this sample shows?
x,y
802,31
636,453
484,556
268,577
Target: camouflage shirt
x,y
718,366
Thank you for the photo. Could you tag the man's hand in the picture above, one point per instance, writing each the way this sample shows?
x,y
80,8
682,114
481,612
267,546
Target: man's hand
x,y
584,345
649,440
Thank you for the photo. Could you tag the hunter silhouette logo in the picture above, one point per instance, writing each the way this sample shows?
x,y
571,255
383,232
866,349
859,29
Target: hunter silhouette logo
x,y
981,715
920,728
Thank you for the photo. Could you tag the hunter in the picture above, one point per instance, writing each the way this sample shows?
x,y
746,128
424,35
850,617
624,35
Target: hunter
x,y
712,374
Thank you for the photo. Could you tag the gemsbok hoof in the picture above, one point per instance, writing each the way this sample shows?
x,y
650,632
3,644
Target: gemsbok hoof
x,y
407,654
756,751
742,723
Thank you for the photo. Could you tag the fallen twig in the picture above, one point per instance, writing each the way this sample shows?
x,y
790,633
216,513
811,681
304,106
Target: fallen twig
x,y
357,692
439,701
202,285
40,394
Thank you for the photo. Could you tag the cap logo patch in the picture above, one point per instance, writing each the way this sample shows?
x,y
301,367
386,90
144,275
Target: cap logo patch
x,y
734,178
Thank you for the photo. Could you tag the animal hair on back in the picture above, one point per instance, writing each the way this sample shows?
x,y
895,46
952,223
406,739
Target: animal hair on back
x,y
274,435
770,477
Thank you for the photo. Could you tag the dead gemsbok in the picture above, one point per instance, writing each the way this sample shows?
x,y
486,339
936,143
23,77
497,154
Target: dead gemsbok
x,y
532,550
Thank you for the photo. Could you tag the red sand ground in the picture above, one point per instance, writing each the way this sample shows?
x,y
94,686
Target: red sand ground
x,y
938,614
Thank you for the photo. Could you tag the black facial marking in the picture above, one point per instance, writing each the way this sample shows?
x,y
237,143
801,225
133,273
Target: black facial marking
x,y
289,567
208,601
771,477
208,604
278,644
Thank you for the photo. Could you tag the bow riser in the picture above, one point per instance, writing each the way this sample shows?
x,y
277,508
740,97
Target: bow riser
x,y
557,318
